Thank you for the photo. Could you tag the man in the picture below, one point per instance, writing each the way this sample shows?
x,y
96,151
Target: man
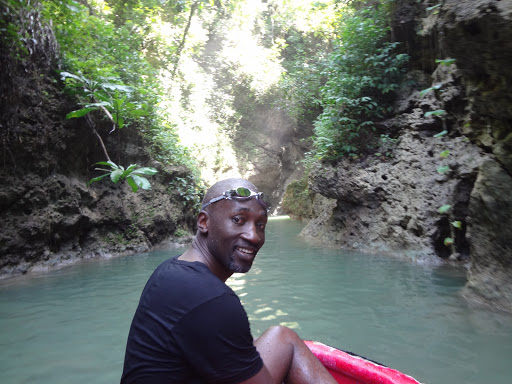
x,y
190,327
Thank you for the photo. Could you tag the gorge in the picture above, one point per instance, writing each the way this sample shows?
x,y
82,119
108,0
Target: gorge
x,y
386,202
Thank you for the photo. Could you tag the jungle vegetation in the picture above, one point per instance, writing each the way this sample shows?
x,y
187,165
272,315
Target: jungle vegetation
x,y
157,65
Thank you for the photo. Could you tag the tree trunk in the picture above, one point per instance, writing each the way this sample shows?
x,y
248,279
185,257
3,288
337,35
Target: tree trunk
x,y
193,8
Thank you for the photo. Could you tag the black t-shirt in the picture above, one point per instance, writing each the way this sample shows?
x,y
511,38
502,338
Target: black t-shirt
x,y
189,327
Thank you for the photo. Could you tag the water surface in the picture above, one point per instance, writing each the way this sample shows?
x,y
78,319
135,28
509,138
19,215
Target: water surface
x,y
70,326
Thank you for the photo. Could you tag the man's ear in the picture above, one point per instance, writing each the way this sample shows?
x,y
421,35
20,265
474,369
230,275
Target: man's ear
x,y
202,222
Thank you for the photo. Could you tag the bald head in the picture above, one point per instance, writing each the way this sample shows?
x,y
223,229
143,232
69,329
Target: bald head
x,y
222,186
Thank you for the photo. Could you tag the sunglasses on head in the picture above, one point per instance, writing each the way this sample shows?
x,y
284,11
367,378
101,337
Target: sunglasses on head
x,y
242,193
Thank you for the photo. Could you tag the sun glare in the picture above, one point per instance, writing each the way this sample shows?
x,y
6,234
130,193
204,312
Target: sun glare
x,y
219,55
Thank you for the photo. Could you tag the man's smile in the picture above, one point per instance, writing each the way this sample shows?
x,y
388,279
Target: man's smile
x,y
246,250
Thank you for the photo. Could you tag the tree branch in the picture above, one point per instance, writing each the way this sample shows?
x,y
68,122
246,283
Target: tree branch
x,y
93,127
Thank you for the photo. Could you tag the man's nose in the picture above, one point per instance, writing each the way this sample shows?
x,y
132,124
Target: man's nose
x,y
251,233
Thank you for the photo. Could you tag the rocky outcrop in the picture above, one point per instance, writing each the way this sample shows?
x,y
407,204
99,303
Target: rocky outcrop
x,y
478,35
50,216
489,279
392,204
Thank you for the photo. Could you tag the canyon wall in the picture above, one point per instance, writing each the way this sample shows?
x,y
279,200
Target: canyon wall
x,y
50,216
435,185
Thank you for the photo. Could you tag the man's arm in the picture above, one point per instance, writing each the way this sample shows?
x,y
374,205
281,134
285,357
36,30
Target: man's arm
x,y
287,359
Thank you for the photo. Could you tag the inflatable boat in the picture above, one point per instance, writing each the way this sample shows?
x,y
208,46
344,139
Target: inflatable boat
x,y
347,368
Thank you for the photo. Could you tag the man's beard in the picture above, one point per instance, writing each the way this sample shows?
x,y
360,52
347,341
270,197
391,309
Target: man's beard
x,y
237,268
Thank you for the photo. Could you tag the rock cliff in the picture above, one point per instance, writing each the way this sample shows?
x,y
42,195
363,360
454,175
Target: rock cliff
x,y
49,215
399,204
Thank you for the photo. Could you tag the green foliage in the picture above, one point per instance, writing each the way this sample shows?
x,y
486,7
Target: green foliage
x,y
111,61
362,72
302,82
298,199
435,87
445,208
305,45
443,169
23,34
386,146
10,35
446,62
190,190
457,224
438,112
114,98
444,154
132,175
181,232
92,46
448,241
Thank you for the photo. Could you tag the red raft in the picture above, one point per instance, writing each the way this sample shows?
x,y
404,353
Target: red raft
x,y
351,369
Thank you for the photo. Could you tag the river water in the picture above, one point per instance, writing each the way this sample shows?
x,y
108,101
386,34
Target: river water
x,y
70,326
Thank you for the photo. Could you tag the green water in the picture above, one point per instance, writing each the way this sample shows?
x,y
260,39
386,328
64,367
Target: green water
x,y
70,326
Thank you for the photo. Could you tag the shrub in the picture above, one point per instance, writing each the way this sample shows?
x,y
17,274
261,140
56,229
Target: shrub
x,y
298,199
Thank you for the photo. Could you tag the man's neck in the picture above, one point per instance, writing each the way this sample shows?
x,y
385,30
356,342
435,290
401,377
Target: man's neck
x,y
196,253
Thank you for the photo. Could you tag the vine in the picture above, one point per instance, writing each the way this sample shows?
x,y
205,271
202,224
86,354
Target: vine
x,y
445,209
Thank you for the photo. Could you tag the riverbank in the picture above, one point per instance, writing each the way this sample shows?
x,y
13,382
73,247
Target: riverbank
x,y
55,262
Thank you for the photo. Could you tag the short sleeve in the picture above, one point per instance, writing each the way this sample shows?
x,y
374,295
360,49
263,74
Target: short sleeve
x,y
216,340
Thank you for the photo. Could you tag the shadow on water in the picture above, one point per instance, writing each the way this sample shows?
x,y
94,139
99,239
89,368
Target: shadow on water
x,y
71,325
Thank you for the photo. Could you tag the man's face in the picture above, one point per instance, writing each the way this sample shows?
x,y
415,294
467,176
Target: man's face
x,y
236,233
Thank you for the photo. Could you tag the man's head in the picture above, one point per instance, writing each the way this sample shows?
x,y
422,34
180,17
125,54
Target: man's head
x,y
235,189
231,225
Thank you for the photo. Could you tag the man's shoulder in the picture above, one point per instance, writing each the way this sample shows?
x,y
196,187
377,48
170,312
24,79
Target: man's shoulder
x,y
182,271
190,280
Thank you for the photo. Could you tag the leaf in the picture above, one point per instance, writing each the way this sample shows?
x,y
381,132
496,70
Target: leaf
x,y
146,171
128,171
457,224
443,169
445,61
445,208
139,112
111,164
125,174
73,8
118,87
439,112
425,91
79,113
448,241
104,170
116,175
101,96
142,182
132,184
120,121
65,75
100,104
433,7
444,154
442,133
97,178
